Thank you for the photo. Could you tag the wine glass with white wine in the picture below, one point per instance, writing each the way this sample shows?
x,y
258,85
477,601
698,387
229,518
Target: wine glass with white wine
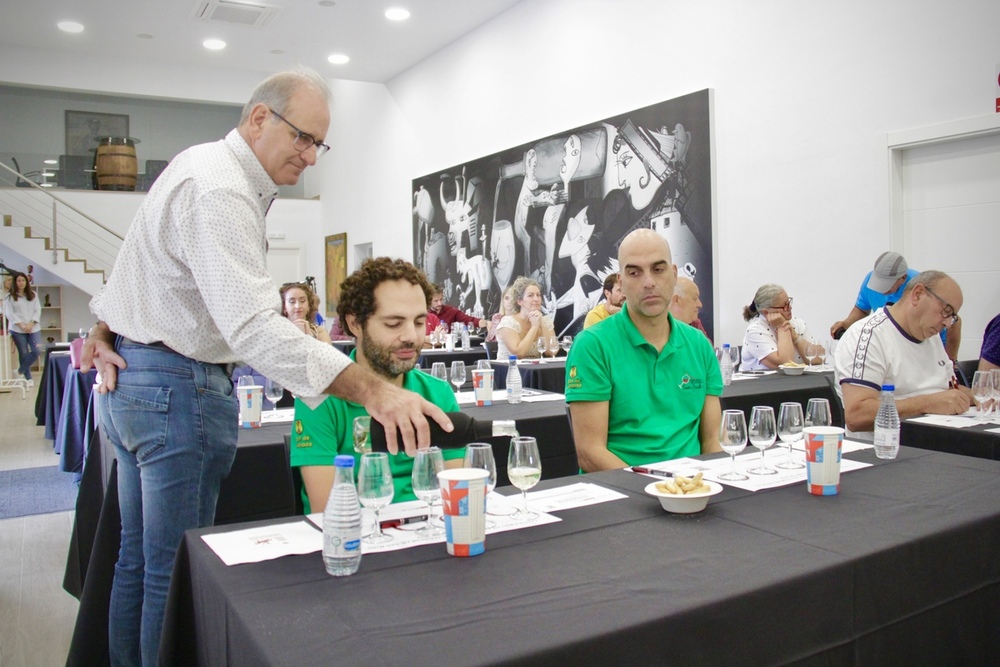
x,y
273,392
361,430
524,469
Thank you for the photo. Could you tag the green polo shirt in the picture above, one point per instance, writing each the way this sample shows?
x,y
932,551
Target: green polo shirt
x,y
321,434
654,400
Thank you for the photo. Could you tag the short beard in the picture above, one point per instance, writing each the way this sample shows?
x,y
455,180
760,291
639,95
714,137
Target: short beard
x,y
381,361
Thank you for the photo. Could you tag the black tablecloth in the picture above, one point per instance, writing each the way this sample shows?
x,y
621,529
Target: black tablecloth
x,y
899,569
972,441
470,357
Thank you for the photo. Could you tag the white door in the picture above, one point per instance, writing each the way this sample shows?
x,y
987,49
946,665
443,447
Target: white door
x,y
286,263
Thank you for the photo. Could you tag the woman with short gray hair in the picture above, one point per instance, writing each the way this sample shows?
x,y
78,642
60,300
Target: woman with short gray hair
x,y
773,336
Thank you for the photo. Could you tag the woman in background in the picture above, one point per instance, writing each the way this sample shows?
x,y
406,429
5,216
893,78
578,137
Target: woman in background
x,y
517,333
23,312
506,308
773,336
300,305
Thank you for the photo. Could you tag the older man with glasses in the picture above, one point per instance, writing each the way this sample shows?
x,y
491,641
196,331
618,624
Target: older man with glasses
x,y
190,294
900,345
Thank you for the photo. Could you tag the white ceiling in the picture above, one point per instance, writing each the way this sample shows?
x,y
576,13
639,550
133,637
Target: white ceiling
x,y
305,31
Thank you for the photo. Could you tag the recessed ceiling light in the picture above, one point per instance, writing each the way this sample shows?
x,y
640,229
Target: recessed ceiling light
x,y
70,26
397,14
338,59
51,161
326,3
277,52
144,35
214,44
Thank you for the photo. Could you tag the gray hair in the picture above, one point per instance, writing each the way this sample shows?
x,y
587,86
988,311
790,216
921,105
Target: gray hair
x,y
928,279
277,89
682,285
764,298
518,289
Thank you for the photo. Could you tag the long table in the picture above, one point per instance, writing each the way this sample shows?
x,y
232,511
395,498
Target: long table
x,y
975,440
259,486
777,388
900,568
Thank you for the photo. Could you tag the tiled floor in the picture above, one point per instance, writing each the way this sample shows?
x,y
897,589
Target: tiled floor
x,y
36,614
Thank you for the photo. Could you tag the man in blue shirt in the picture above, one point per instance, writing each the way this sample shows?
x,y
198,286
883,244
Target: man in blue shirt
x,y
884,285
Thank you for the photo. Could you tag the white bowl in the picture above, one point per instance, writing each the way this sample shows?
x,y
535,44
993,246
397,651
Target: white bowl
x,y
684,504
792,370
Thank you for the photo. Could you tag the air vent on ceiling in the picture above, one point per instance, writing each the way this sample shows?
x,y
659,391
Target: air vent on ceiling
x,y
249,14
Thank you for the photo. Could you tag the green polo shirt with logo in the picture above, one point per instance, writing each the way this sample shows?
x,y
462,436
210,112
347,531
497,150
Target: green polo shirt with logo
x,y
654,400
321,434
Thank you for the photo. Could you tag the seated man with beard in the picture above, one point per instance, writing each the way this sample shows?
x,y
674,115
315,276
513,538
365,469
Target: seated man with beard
x,y
384,305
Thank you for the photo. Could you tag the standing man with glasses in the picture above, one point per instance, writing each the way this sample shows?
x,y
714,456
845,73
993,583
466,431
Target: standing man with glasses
x,y
900,345
188,296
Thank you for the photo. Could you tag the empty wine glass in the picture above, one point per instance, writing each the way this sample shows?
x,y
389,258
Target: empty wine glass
x,y
361,430
439,371
982,391
541,345
734,356
434,338
553,345
375,490
273,391
566,343
818,412
427,464
812,353
524,469
733,438
790,423
458,374
761,432
480,455
996,389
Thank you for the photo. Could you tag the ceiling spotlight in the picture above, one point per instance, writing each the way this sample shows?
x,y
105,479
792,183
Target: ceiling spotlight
x,y
70,26
338,59
214,44
397,14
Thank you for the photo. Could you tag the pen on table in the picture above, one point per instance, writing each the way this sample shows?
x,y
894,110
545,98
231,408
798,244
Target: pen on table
x,y
651,471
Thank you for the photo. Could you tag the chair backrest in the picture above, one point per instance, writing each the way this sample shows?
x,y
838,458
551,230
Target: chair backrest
x,y
491,349
297,484
966,370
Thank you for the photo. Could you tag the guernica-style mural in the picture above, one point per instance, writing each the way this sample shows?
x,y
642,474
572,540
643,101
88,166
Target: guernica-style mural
x,y
557,208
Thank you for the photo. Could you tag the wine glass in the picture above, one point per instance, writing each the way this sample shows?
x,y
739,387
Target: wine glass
x,y
541,345
439,371
982,391
996,389
434,338
426,465
734,356
761,432
733,438
375,490
458,374
484,365
273,391
480,455
566,343
818,412
553,344
812,352
789,430
524,468
361,431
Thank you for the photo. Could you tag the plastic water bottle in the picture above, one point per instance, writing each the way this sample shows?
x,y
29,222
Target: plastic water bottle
x,y
726,364
465,338
342,521
887,425
513,381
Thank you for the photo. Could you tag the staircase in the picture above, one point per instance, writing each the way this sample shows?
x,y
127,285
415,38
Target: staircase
x,y
54,234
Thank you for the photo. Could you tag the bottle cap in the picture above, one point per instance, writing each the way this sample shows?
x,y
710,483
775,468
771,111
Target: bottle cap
x,y
725,346
513,356
344,461
888,387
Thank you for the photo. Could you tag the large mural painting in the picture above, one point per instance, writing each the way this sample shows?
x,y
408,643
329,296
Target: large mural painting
x,y
557,208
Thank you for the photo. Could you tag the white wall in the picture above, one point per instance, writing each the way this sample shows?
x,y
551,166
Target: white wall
x,y
803,90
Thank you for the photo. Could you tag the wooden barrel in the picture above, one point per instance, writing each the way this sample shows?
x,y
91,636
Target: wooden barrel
x,y
115,164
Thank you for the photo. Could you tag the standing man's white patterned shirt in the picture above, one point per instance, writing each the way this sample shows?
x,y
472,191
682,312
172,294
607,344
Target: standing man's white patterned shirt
x,y
192,272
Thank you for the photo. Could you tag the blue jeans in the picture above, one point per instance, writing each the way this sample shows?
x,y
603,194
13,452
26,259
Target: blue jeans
x,y
27,351
173,422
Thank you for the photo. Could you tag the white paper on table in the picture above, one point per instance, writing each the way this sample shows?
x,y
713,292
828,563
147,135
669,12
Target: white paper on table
x,y
407,536
711,469
567,497
542,398
254,545
951,421
279,416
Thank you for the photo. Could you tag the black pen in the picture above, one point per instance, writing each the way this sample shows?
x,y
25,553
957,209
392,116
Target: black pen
x,y
651,471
